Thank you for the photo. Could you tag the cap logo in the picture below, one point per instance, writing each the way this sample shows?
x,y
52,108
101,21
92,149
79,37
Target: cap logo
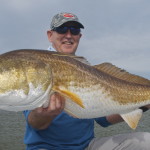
x,y
68,15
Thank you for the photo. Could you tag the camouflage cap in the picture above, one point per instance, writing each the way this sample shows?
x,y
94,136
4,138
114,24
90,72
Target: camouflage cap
x,y
61,18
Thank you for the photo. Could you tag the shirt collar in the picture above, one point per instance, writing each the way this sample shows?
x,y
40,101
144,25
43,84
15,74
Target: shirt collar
x,y
51,48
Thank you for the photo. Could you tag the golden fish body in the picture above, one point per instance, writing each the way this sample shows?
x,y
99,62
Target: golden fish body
x,y
28,77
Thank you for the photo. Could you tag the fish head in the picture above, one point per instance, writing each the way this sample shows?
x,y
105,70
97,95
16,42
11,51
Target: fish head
x,y
22,71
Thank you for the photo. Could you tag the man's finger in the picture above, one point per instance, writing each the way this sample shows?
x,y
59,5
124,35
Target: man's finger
x,y
52,104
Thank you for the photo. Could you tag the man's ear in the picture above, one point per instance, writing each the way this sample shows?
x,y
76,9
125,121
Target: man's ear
x,y
80,35
49,34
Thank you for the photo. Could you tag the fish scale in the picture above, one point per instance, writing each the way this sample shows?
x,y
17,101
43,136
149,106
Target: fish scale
x,y
28,77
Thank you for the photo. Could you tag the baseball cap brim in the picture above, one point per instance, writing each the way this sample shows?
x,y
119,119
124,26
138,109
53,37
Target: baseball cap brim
x,y
63,18
78,24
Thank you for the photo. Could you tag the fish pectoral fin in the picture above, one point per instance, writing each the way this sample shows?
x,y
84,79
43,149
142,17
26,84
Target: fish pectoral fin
x,y
132,118
72,96
70,113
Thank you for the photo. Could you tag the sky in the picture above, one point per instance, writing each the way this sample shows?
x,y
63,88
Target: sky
x,y
116,31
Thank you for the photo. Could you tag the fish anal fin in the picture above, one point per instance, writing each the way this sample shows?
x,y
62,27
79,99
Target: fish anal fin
x,y
132,118
72,96
121,74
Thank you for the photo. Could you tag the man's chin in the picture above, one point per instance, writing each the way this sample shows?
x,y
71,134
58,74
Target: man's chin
x,y
68,50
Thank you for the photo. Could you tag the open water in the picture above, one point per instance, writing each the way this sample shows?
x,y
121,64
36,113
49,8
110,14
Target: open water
x,y
12,127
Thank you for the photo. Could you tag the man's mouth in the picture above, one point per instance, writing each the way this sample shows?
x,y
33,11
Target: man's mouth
x,y
68,42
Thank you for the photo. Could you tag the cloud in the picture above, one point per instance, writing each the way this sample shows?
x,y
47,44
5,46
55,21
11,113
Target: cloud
x,y
115,31
128,51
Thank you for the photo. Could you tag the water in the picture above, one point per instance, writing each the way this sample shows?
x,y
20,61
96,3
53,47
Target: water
x,y
12,127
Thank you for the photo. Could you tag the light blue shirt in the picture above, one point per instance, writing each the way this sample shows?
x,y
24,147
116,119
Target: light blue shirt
x,y
51,48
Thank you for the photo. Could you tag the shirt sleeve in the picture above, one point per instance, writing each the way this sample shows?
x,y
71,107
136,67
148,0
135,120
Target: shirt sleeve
x,y
103,122
26,114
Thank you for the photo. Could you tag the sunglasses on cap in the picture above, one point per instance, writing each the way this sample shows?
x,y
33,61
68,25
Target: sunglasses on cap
x,y
64,29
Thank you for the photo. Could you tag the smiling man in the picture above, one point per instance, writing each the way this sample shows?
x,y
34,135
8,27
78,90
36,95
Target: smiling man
x,y
65,33
52,129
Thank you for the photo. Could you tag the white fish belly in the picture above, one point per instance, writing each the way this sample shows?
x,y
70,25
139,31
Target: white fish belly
x,y
17,100
97,103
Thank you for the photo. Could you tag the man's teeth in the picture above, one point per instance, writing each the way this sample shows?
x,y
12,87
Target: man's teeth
x,y
67,43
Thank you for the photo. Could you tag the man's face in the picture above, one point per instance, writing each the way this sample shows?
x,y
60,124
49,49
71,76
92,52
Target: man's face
x,y
65,43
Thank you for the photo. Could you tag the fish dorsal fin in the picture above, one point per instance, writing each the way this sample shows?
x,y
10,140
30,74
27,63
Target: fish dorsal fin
x,y
79,58
121,74
132,118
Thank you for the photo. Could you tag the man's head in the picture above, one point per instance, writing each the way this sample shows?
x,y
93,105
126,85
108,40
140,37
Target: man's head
x,y
64,33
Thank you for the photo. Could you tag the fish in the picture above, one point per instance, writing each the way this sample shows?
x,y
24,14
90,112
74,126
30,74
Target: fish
x,y
29,76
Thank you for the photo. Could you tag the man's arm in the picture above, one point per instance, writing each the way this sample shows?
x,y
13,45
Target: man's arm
x,y
113,119
41,118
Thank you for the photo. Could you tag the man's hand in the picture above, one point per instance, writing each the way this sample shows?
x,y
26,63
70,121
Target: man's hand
x,y
148,106
56,106
40,118
145,108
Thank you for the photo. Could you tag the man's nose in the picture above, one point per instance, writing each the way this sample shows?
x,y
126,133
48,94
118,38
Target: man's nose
x,y
68,34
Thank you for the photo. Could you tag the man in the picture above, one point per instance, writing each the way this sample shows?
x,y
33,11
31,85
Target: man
x,y
52,129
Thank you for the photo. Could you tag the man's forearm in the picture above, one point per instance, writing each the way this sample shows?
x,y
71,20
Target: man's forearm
x,y
39,121
113,119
